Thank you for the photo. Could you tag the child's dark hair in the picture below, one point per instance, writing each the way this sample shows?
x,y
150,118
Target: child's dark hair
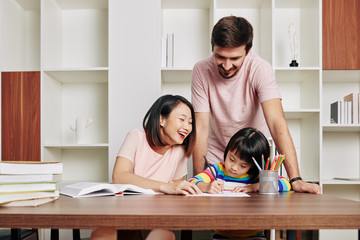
x,y
163,106
248,143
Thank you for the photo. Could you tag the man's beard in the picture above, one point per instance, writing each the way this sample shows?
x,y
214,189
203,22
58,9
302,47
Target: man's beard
x,y
228,76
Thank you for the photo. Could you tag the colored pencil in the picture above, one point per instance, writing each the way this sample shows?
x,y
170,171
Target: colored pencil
x,y
209,166
267,163
273,164
257,165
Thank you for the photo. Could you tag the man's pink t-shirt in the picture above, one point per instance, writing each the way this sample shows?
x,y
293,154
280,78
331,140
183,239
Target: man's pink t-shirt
x,y
234,103
150,164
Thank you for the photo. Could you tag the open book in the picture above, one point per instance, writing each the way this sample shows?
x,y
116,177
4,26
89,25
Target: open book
x,y
93,189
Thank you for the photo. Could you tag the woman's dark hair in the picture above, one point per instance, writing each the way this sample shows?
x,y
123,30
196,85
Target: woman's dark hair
x,y
248,143
232,31
163,106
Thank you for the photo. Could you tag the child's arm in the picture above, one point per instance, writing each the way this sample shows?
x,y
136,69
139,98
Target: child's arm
x,y
213,187
123,174
284,185
205,182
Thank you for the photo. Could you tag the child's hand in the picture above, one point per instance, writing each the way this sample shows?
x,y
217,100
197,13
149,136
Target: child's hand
x,y
246,189
216,186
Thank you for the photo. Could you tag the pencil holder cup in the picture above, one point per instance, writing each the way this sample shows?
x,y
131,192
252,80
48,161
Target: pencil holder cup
x,y
269,182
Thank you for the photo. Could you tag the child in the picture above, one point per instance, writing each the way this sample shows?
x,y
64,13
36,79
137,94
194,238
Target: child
x,y
156,157
239,169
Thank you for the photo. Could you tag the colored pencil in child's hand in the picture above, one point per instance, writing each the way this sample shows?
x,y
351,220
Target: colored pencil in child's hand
x,y
209,166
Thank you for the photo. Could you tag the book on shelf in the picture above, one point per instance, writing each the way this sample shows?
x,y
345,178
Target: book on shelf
x,y
93,189
170,50
29,203
15,178
30,167
6,198
335,111
346,110
353,111
27,187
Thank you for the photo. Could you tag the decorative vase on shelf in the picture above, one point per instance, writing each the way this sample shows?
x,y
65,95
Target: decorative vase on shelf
x,y
293,46
80,129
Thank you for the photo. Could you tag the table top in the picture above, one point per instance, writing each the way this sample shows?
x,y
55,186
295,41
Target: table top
x,y
282,211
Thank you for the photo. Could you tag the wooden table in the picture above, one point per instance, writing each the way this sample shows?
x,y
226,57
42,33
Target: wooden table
x,y
282,211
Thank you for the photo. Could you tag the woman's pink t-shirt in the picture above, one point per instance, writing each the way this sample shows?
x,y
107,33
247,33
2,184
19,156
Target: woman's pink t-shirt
x,y
234,103
150,164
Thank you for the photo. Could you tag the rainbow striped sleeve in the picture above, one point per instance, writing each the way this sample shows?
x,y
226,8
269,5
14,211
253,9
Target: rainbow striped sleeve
x,y
205,176
284,185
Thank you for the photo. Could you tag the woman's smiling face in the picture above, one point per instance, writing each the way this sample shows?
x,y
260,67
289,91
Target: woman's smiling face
x,y
177,126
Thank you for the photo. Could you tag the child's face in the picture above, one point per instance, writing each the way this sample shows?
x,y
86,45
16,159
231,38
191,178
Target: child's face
x,y
177,126
235,166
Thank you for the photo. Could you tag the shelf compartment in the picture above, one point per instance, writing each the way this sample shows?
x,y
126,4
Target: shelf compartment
x,y
304,130
304,15
80,164
340,155
182,89
335,91
300,89
20,28
259,14
68,95
176,76
75,33
305,133
191,43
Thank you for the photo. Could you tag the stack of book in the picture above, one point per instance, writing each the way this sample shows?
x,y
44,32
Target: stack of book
x,y
346,110
28,183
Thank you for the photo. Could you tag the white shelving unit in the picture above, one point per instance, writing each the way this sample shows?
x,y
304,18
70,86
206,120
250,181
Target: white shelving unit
x,y
340,141
93,64
72,37
74,67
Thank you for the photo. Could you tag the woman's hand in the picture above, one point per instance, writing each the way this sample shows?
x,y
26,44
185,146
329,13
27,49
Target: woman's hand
x,y
180,187
248,188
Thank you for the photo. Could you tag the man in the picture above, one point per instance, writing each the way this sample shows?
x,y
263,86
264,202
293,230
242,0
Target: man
x,y
235,88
